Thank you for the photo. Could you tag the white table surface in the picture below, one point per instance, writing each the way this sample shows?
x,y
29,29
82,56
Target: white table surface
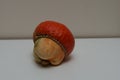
x,y
92,59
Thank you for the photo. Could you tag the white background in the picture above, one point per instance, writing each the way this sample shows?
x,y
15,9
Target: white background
x,y
85,18
91,59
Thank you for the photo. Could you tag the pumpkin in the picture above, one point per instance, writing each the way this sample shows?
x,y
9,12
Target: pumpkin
x,y
53,42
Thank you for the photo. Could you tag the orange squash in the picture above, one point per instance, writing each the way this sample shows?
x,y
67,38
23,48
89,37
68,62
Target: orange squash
x,y
53,42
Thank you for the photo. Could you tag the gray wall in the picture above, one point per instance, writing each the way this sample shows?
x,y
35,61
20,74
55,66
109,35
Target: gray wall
x,y
85,18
